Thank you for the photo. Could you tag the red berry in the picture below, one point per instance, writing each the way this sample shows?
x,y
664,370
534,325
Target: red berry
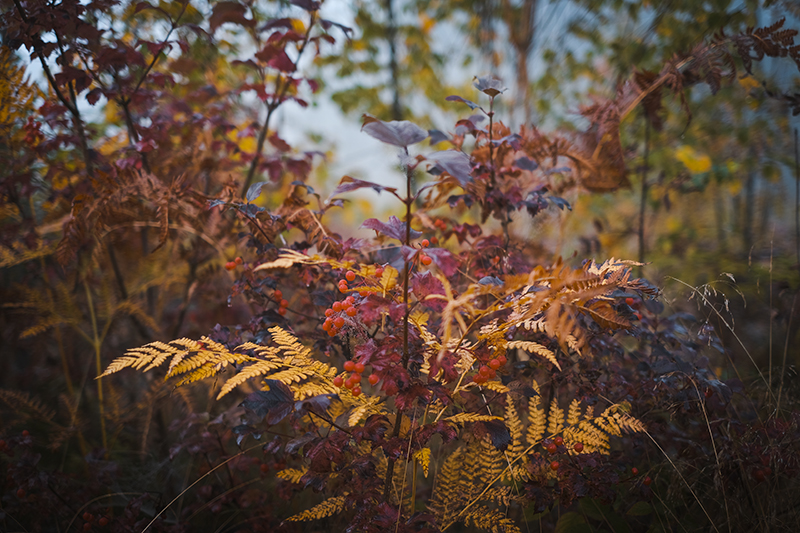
x,y
647,481
26,433
349,366
629,301
638,315
379,272
578,447
479,379
634,471
338,321
87,527
264,469
20,493
709,393
282,311
426,260
2,444
328,324
349,383
425,243
484,371
343,289
104,521
356,391
349,301
435,240
359,367
767,471
559,440
332,332
350,275
87,516
351,311
338,381
337,306
230,265
494,364
373,379
284,303
552,448
238,261
554,465
328,312
503,360
492,374
278,295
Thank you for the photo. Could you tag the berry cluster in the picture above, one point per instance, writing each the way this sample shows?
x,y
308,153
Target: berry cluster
x,y
440,223
489,370
353,382
334,315
89,519
230,265
282,304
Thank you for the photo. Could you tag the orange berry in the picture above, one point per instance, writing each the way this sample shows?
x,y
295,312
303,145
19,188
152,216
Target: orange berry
x,y
503,360
629,301
426,260
349,366
337,306
328,312
359,367
434,240
343,289
338,321
373,379
351,311
484,371
356,391
278,295
238,261
20,493
379,272
282,311
349,301
284,303
425,243
87,516
350,275
230,265
104,521
332,332
338,381
495,364
25,433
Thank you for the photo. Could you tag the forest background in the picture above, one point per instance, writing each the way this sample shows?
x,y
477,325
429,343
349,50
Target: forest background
x,y
258,107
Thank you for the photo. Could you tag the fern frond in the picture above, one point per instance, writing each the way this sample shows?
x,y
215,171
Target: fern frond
x,y
489,520
462,418
537,420
329,507
574,413
516,429
555,420
423,457
496,386
535,348
22,404
292,475
256,369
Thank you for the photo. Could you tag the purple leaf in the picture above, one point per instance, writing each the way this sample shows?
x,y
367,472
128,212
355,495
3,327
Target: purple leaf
x,y
395,228
426,284
273,404
455,163
402,133
438,136
351,184
489,85
326,24
277,23
232,12
308,5
444,259
525,163
456,98
254,191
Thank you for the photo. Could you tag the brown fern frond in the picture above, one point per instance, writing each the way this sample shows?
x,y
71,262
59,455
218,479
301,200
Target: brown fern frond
x,y
23,405
535,348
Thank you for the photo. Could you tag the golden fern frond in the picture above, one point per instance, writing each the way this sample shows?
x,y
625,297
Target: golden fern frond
x,y
537,420
256,369
495,386
329,507
535,348
42,325
516,429
446,497
292,475
20,253
423,457
574,412
555,420
491,461
370,405
489,520
289,344
462,418
500,495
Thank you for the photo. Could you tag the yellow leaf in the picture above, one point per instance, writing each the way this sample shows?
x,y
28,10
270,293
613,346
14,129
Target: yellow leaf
x,y
695,161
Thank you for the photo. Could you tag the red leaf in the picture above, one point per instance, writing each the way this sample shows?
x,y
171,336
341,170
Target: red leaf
x,y
395,228
444,259
232,12
351,184
281,62
426,284
279,143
